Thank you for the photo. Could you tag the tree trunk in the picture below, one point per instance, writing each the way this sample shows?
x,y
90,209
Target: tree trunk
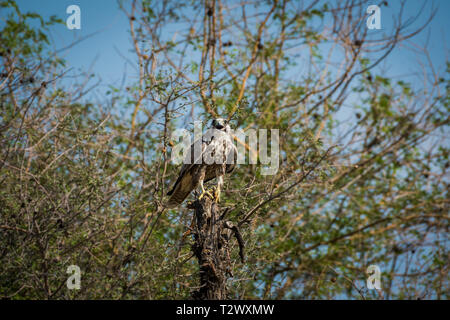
x,y
211,250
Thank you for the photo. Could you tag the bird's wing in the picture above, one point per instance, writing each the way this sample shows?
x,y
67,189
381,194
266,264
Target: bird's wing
x,y
190,160
233,153
209,143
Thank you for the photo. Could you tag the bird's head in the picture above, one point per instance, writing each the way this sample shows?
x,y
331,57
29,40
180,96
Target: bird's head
x,y
221,124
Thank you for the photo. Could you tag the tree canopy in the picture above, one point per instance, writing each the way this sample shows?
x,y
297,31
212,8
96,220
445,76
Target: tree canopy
x,y
363,166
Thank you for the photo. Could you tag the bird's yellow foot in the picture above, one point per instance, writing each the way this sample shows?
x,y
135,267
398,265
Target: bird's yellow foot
x,y
203,194
217,194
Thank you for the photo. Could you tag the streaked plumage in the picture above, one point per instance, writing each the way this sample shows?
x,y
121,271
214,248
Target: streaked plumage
x,y
217,157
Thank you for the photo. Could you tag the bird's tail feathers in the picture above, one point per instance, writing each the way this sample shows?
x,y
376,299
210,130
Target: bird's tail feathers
x,y
170,192
177,197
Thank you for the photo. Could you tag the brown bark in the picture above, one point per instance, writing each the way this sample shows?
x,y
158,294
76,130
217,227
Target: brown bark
x,y
211,248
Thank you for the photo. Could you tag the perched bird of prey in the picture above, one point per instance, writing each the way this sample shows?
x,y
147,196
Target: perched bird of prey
x,y
210,157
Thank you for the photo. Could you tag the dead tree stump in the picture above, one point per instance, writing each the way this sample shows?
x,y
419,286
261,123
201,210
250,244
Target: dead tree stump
x,y
212,249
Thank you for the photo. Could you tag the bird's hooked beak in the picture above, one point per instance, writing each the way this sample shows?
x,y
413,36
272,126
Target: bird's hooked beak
x,y
219,124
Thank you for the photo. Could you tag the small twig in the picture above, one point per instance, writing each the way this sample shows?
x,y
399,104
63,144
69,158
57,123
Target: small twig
x,y
239,238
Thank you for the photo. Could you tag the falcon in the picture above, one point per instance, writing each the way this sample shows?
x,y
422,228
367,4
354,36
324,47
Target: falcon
x,y
212,156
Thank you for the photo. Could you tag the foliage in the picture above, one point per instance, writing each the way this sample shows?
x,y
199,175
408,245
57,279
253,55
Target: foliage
x,y
84,183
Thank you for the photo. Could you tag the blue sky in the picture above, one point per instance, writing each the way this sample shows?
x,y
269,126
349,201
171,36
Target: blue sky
x,y
108,45
101,19
110,27
104,51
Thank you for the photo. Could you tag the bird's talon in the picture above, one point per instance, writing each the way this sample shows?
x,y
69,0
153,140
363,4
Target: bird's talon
x,y
217,195
207,193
